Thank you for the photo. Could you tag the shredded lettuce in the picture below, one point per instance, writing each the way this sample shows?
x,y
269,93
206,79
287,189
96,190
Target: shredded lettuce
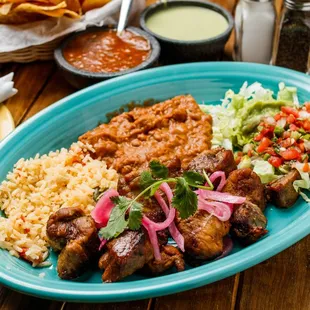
x,y
245,162
235,120
288,94
264,170
303,184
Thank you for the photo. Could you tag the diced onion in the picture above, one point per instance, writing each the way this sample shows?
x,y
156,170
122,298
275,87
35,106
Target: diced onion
x,y
270,120
281,122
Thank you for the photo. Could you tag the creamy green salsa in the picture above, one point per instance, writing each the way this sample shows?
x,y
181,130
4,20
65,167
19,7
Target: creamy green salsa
x,y
187,23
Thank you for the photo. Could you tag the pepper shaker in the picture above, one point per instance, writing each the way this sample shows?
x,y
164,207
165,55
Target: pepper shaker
x,y
293,39
255,24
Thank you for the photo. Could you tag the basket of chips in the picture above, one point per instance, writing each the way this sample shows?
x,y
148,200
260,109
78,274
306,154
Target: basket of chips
x,y
36,27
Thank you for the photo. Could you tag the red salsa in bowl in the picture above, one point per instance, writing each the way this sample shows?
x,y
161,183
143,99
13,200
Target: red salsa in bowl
x,y
106,51
98,54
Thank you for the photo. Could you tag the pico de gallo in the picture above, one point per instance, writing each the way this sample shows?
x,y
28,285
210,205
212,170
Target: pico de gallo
x,y
283,138
268,131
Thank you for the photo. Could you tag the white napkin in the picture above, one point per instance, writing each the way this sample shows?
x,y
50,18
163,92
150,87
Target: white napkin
x,y
36,33
7,89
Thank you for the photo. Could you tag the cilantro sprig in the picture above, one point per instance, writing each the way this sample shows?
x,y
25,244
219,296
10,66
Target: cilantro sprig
x,y
128,212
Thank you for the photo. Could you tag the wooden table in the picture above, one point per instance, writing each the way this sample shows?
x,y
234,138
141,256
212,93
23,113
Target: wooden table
x,y
282,282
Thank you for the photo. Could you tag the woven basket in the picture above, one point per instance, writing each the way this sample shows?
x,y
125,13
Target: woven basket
x,y
32,53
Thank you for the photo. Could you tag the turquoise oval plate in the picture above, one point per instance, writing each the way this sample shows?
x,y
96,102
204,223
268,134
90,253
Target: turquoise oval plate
x,y
61,124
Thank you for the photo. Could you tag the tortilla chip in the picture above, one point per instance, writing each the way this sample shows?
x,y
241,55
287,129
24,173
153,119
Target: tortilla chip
x,y
74,5
35,8
29,12
5,8
93,4
17,18
47,2
53,10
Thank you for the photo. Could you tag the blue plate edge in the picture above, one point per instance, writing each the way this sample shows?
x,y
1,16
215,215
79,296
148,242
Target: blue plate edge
x,y
133,294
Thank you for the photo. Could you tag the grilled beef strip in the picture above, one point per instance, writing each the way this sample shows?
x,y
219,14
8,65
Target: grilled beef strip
x,y
281,192
248,223
75,236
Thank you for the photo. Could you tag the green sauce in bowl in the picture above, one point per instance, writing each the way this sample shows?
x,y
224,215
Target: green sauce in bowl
x,y
187,23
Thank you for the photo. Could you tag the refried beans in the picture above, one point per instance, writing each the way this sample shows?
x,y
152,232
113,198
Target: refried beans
x,y
175,130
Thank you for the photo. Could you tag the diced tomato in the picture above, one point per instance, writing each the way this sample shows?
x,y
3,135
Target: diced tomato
x,y
290,119
286,143
290,154
258,137
250,153
275,161
238,157
270,151
306,125
306,167
286,134
307,105
289,110
301,147
277,117
22,254
263,144
293,127
266,132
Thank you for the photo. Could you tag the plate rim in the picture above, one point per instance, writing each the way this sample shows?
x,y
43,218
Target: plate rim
x,y
198,276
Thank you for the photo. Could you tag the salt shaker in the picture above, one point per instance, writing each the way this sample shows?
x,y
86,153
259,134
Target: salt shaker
x,y
254,29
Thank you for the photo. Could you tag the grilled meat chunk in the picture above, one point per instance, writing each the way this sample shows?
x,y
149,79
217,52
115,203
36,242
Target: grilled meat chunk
x,y
246,183
75,235
281,192
217,159
248,223
125,255
132,249
170,257
203,235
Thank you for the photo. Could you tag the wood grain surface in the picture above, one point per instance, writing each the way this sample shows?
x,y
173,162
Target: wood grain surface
x,y
282,282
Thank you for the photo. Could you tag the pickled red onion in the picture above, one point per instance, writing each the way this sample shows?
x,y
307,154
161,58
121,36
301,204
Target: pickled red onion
x,y
102,243
101,212
153,227
231,206
219,209
174,232
216,175
162,225
218,196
